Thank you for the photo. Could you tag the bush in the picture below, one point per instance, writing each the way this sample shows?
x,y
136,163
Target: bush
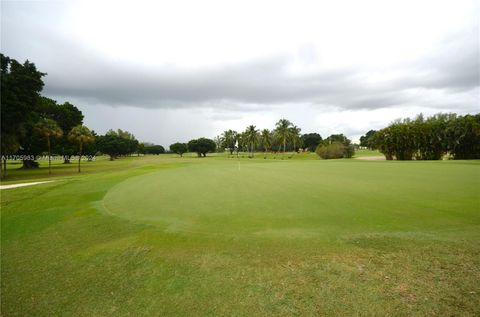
x,y
349,151
335,150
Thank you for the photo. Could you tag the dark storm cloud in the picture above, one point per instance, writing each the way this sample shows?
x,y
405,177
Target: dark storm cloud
x,y
75,72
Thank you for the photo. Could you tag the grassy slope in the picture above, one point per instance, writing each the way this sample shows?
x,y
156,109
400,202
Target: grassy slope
x,y
400,238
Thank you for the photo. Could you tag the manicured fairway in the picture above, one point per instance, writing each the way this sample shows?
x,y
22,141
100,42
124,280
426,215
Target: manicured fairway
x,y
224,236
324,200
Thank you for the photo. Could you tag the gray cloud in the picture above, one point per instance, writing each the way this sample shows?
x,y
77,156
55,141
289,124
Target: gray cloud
x,y
264,81
75,72
455,65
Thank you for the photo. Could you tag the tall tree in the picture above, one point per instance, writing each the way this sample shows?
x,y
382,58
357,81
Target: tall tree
x,y
266,141
295,136
81,135
282,129
48,129
219,142
367,139
251,137
141,149
242,142
229,140
21,85
67,116
311,141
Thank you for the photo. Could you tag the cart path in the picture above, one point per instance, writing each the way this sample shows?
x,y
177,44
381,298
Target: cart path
x,y
23,184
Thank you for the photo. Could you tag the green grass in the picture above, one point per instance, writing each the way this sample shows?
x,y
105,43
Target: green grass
x,y
364,153
161,235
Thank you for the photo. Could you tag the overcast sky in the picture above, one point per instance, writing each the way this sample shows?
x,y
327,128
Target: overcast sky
x,y
176,70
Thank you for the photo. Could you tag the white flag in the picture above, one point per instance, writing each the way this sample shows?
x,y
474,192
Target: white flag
x,y
236,144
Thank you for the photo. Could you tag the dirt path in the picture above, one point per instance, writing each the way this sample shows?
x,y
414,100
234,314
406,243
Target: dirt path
x,y
23,184
371,158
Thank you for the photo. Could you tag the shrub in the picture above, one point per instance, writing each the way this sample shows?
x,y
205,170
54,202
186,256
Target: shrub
x,y
331,151
349,151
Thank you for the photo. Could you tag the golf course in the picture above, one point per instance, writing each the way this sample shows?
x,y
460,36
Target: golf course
x,y
164,235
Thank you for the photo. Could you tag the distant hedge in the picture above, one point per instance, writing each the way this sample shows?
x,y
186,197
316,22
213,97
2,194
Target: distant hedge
x,y
431,138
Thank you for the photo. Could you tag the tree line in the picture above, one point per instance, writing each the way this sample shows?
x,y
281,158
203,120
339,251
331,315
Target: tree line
x,y
428,138
285,137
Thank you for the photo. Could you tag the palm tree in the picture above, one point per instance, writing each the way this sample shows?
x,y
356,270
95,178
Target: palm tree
x,y
295,136
251,137
81,135
283,132
242,142
229,138
266,139
48,129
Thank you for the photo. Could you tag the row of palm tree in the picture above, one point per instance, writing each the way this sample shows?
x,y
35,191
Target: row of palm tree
x,y
49,129
283,133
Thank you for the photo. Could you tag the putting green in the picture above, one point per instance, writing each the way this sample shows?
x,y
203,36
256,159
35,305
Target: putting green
x,y
328,199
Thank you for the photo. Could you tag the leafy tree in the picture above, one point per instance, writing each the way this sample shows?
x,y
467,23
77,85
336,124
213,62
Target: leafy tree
x,y
346,150
141,148
129,144
91,149
242,142
337,138
109,144
251,137
383,142
367,139
116,143
266,141
219,142
403,137
21,85
67,116
229,137
282,130
48,129
311,141
81,135
179,148
463,137
201,146
154,149
431,138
